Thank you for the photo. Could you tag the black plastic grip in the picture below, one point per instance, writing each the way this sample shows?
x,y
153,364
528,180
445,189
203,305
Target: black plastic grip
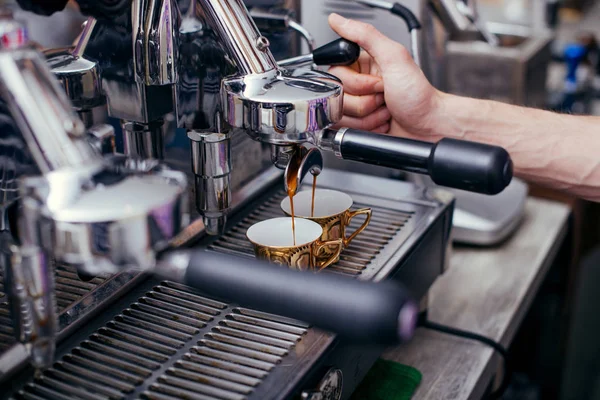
x,y
411,20
340,52
364,312
471,166
453,163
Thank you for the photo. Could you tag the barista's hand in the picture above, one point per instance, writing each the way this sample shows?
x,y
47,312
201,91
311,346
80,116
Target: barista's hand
x,y
385,91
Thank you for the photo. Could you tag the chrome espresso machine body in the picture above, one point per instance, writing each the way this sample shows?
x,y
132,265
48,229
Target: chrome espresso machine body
x,y
205,112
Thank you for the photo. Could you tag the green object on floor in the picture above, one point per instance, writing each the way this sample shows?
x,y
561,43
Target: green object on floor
x,y
388,380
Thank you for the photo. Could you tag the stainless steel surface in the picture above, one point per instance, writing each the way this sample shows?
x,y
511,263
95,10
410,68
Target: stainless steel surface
x,y
41,110
281,22
174,343
302,162
56,140
155,26
32,283
144,141
239,35
305,33
493,221
297,62
211,162
144,91
115,225
76,299
79,76
102,138
281,155
331,140
281,109
415,46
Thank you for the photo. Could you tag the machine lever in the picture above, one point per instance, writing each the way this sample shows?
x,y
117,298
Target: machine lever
x,y
458,164
359,311
340,52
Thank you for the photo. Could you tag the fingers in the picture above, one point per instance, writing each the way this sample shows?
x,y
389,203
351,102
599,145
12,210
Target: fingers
x,y
356,83
362,106
384,50
376,120
382,129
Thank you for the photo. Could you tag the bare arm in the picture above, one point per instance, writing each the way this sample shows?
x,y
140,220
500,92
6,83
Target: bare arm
x,y
558,151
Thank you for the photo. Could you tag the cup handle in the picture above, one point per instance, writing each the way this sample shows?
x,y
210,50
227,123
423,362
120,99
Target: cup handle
x,y
350,215
339,243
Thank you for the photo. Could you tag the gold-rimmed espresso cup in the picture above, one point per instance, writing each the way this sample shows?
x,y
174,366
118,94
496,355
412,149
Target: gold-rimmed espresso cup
x,y
332,212
274,242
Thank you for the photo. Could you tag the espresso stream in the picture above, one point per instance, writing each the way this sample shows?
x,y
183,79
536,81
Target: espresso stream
x,y
312,206
292,184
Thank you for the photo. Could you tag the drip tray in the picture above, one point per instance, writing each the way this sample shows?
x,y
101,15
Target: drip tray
x,y
69,290
172,342
385,224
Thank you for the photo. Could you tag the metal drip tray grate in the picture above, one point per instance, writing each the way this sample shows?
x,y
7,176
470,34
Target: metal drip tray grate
x,y
173,343
69,289
385,224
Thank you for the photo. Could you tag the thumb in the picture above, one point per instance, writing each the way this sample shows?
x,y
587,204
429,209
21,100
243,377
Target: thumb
x,y
384,50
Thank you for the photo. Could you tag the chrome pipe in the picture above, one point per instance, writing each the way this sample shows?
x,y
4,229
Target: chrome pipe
x,y
231,21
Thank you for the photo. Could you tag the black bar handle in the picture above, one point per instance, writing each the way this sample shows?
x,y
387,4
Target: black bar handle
x,y
340,52
458,164
363,312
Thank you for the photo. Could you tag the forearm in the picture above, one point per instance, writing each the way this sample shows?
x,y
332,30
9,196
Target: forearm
x,y
560,151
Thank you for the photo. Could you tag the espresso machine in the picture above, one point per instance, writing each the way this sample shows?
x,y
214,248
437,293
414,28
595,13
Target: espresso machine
x,y
128,275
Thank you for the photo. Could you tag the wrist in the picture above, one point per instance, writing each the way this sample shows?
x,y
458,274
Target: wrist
x,y
435,124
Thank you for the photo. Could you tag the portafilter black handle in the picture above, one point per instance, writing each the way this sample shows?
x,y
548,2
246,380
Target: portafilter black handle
x,y
340,52
458,164
363,312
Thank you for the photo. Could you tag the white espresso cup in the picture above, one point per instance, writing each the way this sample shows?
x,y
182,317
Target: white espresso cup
x,y
332,211
274,242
